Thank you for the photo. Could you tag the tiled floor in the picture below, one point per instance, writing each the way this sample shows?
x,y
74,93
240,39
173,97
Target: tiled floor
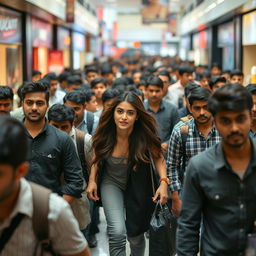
x,y
102,248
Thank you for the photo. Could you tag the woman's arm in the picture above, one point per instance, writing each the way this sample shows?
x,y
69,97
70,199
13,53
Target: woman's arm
x,y
163,187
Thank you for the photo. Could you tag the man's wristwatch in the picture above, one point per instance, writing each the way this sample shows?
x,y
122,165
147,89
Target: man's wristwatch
x,y
165,180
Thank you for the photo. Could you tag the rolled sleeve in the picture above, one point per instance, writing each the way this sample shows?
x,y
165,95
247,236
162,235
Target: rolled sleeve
x,y
174,159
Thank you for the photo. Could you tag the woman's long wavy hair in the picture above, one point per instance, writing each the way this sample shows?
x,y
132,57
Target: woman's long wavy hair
x,y
142,139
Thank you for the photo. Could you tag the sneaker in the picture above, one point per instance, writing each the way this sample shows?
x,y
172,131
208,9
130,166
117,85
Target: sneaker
x,y
92,241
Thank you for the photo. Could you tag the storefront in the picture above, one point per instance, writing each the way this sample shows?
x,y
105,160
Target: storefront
x,y
226,41
63,44
78,41
201,48
10,48
249,44
41,43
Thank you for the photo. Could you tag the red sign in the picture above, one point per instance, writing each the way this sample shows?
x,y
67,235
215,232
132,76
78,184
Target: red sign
x,y
56,61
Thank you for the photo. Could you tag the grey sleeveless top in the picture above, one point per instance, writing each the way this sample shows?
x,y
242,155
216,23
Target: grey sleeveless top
x,y
116,171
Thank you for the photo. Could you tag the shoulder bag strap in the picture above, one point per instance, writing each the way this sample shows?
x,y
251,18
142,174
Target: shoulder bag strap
x,y
80,136
41,197
184,135
8,232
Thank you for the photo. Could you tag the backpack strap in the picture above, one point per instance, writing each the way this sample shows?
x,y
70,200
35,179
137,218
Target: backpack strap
x,y
41,197
80,149
89,121
8,232
184,135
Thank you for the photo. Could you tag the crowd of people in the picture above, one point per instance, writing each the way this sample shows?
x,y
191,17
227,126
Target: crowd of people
x,y
92,137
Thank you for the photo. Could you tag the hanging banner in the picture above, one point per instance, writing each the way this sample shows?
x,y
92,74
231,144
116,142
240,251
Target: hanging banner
x,y
70,11
155,11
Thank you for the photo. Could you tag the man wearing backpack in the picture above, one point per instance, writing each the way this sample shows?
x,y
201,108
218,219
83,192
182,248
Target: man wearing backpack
x,y
30,213
62,117
84,120
188,139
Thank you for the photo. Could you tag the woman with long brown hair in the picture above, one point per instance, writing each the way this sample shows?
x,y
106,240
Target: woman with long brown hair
x,y
123,145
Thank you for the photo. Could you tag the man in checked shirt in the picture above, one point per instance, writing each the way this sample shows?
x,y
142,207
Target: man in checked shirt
x,y
201,134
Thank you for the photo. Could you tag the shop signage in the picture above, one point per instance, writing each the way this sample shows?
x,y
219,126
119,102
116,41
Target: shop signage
x,y
10,26
41,33
70,11
78,41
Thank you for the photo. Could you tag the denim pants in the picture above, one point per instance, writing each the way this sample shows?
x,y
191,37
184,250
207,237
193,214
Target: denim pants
x,y
112,198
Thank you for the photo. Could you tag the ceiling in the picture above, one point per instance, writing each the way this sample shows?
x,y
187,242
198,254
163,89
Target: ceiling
x,y
134,6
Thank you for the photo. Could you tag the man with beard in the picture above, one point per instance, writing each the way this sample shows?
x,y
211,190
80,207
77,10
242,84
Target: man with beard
x,y
200,134
165,113
53,153
252,90
219,190
6,100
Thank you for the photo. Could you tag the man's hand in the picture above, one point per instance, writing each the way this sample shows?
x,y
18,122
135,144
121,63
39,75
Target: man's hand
x,y
176,203
69,198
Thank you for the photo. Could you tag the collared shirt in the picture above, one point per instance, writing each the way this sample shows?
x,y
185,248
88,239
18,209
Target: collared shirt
x,y
63,228
57,98
195,143
83,125
166,117
53,153
175,93
214,192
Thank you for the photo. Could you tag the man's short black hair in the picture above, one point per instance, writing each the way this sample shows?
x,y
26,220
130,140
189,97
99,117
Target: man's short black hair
x,y
164,73
98,80
236,72
36,72
233,97
189,87
61,113
199,93
76,96
38,86
216,80
51,76
88,95
106,69
204,74
93,69
156,81
6,92
185,69
121,81
13,141
63,76
110,94
251,88
75,79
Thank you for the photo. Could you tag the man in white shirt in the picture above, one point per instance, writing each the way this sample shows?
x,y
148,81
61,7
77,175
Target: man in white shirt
x,y
16,198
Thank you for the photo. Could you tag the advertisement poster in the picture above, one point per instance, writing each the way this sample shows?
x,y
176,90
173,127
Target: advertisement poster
x,y
155,11
56,61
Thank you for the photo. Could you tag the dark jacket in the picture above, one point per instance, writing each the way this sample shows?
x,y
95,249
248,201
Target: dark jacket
x,y
52,156
226,204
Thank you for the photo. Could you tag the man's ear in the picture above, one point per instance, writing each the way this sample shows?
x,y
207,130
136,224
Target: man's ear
x,y
22,170
84,106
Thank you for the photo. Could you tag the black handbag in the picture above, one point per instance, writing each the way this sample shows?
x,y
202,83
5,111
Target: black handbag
x,y
160,240
159,231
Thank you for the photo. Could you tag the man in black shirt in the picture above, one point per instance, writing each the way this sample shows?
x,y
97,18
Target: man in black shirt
x,y
53,153
220,182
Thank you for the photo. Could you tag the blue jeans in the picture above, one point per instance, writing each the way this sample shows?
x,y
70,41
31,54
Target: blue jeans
x,y
112,198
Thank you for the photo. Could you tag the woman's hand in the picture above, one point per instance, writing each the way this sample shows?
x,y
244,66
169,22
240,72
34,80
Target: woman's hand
x,y
162,193
92,191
